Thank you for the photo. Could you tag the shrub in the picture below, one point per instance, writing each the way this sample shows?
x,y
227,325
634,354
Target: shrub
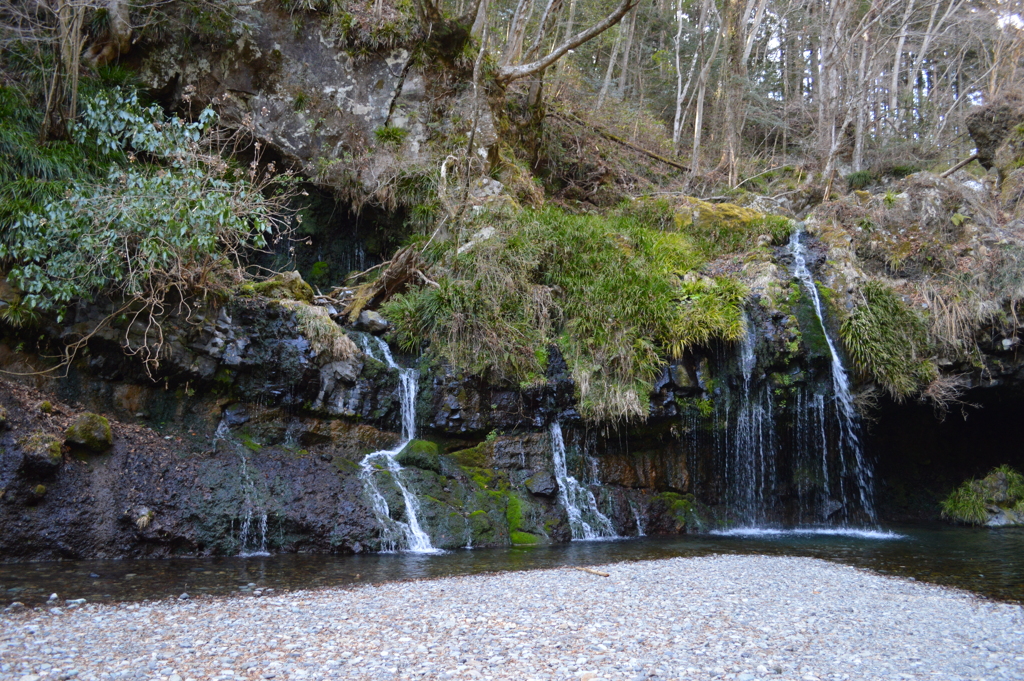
x,y
1003,487
390,136
859,179
172,219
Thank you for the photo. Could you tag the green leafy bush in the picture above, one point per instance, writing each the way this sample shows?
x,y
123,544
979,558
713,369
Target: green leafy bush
x,y
171,219
889,342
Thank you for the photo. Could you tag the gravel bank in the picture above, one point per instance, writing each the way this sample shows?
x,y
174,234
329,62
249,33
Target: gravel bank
x,y
731,617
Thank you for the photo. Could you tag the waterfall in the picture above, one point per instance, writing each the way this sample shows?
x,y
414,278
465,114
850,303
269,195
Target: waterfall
x,y
415,539
585,520
639,520
847,415
812,460
252,536
752,454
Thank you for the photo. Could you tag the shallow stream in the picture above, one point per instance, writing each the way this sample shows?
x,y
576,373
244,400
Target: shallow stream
x,y
987,562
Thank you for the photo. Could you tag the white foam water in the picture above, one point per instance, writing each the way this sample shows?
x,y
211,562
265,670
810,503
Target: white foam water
x,y
753,532
585,519
410,533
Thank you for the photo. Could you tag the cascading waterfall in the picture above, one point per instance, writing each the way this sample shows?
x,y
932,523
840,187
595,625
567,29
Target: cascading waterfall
x,y
849,425
813,458
415,539
752,452
585,520
252,536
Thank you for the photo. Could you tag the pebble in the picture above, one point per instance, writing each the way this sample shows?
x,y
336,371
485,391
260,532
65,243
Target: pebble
x,y
739,618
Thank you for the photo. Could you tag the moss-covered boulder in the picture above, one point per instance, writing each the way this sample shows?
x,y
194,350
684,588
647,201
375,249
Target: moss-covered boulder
x,y
421,454
41,454
287,285
996,500
90,431
697,213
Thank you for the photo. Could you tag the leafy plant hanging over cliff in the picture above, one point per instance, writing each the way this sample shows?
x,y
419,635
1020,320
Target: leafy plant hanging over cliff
x,y
172,220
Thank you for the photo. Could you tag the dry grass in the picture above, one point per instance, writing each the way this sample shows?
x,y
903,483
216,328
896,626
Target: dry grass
x,y
322,332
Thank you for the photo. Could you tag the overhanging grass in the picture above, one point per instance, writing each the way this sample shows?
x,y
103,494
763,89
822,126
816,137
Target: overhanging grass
x,y
608,291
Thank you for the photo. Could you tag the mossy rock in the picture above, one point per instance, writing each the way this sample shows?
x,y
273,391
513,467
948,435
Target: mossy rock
x,y
90,431
41,454
474,457
1010,154
288,285
421,454
697,213
683,508
524,538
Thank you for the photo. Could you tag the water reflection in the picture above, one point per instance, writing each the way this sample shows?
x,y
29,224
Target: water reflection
x,y
988,562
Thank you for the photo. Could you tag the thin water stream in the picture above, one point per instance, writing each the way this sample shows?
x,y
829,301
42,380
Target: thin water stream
x,y
988,562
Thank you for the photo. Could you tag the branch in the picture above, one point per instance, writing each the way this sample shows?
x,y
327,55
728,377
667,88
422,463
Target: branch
x,y
615,138
507,74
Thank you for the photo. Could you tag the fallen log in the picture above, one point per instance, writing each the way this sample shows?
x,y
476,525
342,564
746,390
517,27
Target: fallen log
x,y
958,166
618,140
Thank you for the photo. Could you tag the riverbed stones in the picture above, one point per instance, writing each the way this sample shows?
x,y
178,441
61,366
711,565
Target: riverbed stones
x,y
757,618
90,431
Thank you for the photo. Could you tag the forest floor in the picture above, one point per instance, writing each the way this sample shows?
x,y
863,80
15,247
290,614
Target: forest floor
x,y
719,617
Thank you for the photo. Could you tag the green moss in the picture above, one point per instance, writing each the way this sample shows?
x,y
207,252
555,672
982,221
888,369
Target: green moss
x,y
46,407
683,508
44,445
91,431
287,285
39,490
483,477
474,457
889,342
249,443
421,454
514,512
609,291
523,538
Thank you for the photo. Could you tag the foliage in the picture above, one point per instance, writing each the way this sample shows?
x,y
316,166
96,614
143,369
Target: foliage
x,y
31,173
889,342
390,136
607,291
1002,487
859,179
171,219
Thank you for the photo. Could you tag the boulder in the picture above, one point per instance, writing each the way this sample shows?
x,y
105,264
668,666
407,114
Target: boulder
x,y
90,431
542,484
371,322
41,454
989,126
420,454
287,285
